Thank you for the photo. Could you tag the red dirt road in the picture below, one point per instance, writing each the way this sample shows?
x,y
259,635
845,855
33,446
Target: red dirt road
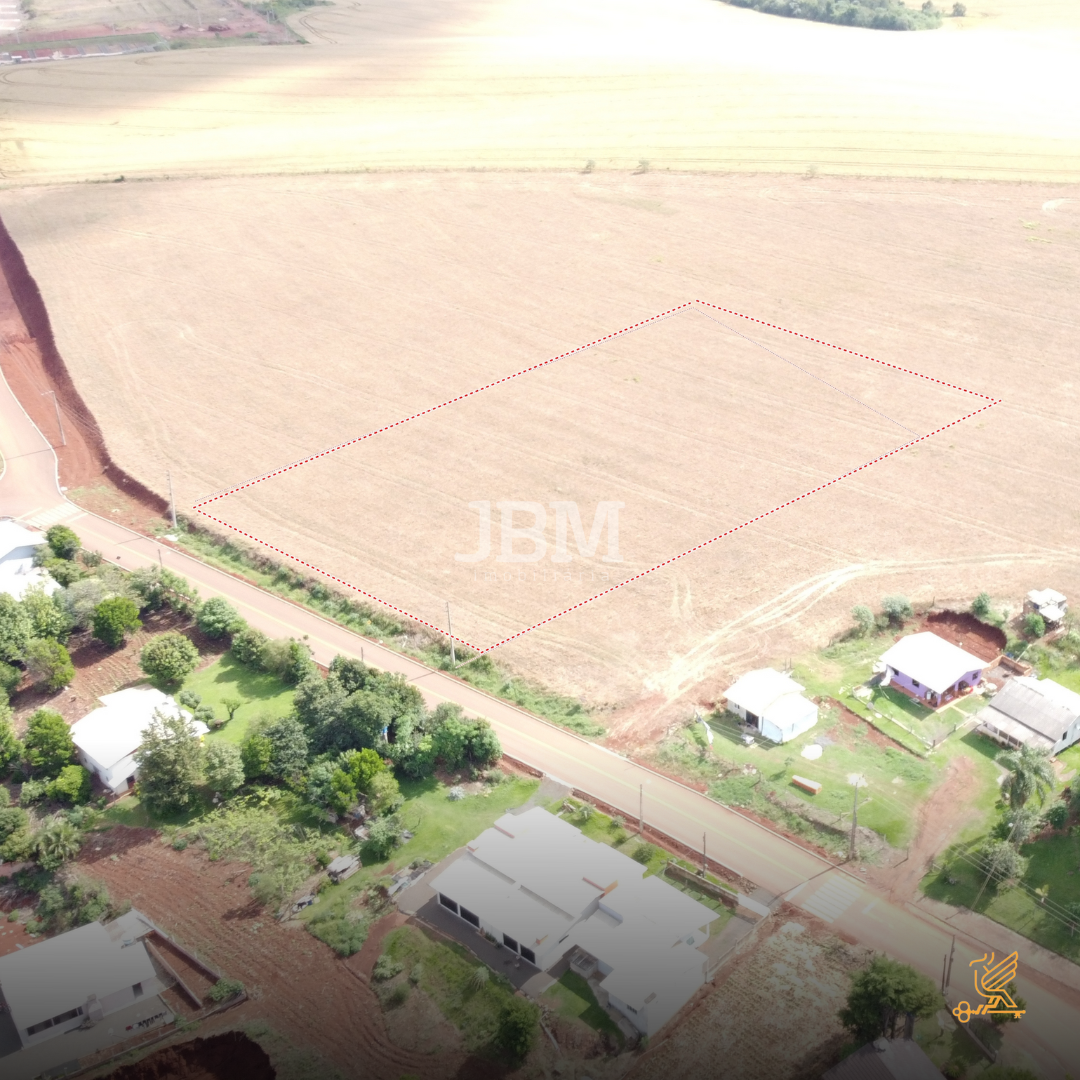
x,y
296,983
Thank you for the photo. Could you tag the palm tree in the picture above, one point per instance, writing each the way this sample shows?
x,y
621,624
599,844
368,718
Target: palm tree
x,y
57,842
1031,772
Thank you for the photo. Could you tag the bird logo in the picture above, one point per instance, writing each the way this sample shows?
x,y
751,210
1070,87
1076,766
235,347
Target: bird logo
x,y
993,982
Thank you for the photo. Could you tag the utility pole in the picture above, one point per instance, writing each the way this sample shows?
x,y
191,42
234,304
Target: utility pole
x,y
172,500
944,964
952,953
59,422
450,630
854,824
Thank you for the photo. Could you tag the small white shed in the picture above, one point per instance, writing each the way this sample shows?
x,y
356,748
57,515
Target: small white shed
x,y
774,703
17,570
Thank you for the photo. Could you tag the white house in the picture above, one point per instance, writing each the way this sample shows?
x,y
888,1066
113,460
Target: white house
x,y
80,977
774,703
108,738
545,892
1035,712
930,668
17,570
1049,603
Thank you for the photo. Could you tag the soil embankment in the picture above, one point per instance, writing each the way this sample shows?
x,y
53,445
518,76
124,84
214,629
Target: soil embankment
x,y
220,1056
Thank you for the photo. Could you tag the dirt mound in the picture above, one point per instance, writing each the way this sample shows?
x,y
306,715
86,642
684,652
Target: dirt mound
x,y
220,1056
963,629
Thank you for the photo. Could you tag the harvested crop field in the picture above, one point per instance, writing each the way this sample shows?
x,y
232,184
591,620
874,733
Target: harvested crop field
x,y
208,342
688,84
296,984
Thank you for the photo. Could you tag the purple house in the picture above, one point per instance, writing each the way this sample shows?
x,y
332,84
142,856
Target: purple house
x,y
930,668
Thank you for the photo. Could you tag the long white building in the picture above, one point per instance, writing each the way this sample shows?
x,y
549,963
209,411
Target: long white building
x,y
546,891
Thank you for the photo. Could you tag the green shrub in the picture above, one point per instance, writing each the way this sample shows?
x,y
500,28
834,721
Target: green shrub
x,y
517,1030
386,967
248,646
169,658
47,743
864,619
113,619
980,606
1034,625
49,664
896,608
345,934
224,989
217,617
10,677
64,542
644,853
1057,815
398,995
72,786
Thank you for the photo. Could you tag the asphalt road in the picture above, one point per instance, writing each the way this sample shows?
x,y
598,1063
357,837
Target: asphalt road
x,y
1049,1034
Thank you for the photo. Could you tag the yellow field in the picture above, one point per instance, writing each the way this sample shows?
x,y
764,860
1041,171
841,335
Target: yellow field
x,y
684,84
220,328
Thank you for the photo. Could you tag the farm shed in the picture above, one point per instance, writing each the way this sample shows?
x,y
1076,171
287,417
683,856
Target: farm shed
x,y
80,977
1048,603
18,573
343,867
544,891
886,1059
930,668
773,703
108,738
1032,712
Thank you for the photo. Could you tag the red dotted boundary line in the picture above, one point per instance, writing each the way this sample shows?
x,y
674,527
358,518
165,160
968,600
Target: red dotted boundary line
x,y
643,573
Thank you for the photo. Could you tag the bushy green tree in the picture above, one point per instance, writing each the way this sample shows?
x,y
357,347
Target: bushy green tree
x,y
980,606
224,767
49,664
15,628
383,793
156,587
48,744
1034,625
56,843
80,598
170,763
48,619
1056,815
217,617
864,619
289,748
881,997
72,786
248,646
483,746
1031,773
169,658
257,755
384,835
1019,825
288,659
516,1034
64,542
1000,861
11,749
10,677
114,619
897,608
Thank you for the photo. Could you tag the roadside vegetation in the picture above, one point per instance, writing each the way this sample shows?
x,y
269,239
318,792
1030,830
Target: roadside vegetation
x,y
868,14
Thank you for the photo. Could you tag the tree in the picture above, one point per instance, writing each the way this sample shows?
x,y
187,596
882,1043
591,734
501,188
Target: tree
x,y
231,704
1057,815
15,628
170,762
864,619
248,646
288,659
482,745
384,794
897,608
71,786
114,618
980,606
56,843
48,619
1034,625
289,748
48,743
11,749
81,597
1000,1019
882,995
1019,825
351,674
1001,861
217,617
49,664
383,836
64,542
10,677
224,767
516,1033
257,755
14,829
362,766
157,587
1031,772
169,658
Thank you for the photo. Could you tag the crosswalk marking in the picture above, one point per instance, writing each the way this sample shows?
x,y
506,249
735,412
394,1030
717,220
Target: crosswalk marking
x,y
42,519
833,899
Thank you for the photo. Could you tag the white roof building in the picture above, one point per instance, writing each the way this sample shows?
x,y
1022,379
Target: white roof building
x,y
108,738
543,890
1035,712
78,977
774,702
925,662
1049,603
17,570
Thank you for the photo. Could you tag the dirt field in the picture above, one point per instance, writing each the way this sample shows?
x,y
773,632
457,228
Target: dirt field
x,y
773,1014
220,1057
206,343
689,84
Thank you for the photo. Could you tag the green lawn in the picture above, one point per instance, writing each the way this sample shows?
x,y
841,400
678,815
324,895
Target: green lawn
x,y
445,970
572,997
264,695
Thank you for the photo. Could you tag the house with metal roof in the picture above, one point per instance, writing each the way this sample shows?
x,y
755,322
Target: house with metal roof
x,y
546,892
773,703
108,738
18,546
886,1059
1032,712
930,668
80,978
1048,603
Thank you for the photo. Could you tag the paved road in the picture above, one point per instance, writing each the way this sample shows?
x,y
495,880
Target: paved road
x,y
1050,1034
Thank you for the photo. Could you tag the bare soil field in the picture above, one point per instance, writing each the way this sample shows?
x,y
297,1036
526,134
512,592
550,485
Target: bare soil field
x,y
688,84
772,1015
221,328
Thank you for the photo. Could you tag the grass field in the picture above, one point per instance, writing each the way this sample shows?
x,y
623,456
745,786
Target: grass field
x,y
263,695
572,997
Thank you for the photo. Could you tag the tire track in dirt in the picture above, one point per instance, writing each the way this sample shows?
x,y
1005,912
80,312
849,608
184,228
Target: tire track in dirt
x,y
295,982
